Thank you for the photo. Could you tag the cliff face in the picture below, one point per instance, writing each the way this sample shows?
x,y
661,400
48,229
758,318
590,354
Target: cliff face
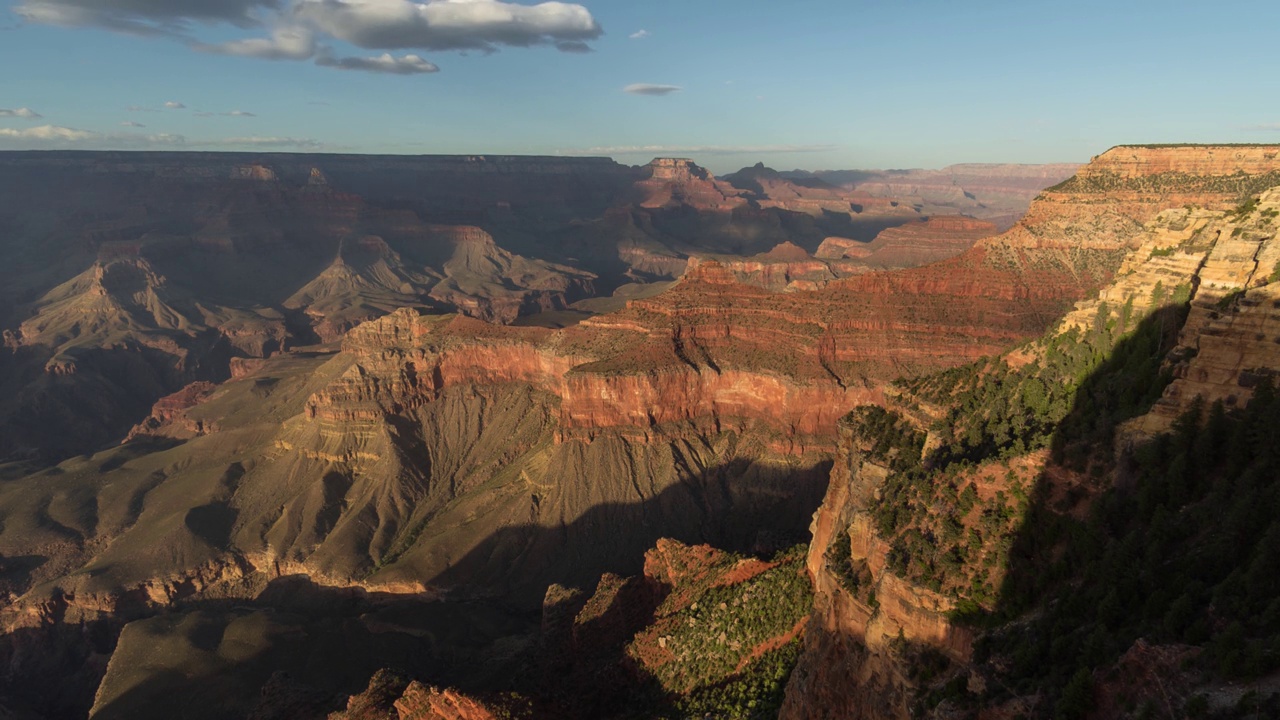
x,y
1208,161
854,663
680,181
1230,339
922,243
876,604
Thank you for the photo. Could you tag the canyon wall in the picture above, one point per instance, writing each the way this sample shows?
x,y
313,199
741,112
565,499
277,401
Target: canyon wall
x,y
869,623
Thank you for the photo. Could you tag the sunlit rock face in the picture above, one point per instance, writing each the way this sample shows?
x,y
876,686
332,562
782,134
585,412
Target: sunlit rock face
x,y
1168,228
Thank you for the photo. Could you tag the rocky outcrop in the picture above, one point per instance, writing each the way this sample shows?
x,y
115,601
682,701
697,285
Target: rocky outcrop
x,y
867,619
168,417
922,243
834,248
999,193
484,281
1231,339
1206,161
680,181
390,695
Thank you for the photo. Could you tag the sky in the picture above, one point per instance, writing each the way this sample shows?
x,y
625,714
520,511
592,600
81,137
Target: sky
x,y
814,84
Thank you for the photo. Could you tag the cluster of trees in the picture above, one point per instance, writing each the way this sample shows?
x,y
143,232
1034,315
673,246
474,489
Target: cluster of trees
x,y
1077,386
1239,184
853,575
887,438
996,410
1185,550
720,630
754,694
1188,553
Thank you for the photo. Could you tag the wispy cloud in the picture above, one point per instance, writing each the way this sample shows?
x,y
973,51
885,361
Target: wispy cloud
x,y
1264,127
257,141
52,136
175,105
385,63
284,44
233,113
639,34
305,29
651,89
574,46
132,124
698,149
22,112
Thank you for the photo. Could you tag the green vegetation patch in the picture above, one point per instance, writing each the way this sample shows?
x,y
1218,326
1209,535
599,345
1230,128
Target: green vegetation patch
x,y
1186,553
727,626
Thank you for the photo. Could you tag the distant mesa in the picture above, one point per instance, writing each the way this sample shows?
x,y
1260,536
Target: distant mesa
x,y
260,173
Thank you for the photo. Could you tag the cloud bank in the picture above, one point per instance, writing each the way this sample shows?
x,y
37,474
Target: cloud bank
x,y
651,89
307,29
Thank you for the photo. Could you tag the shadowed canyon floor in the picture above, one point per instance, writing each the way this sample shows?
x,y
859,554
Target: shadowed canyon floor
x,y
385,450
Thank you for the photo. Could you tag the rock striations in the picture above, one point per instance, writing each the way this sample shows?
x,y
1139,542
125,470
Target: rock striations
x,y
875,611
361,486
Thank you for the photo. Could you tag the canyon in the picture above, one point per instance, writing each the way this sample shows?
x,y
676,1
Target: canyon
x,y
288,402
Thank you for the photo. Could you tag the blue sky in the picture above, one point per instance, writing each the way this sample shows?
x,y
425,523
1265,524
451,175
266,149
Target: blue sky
x,y
805,83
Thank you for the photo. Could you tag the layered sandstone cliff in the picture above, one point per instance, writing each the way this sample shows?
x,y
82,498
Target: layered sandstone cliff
x,y
858,659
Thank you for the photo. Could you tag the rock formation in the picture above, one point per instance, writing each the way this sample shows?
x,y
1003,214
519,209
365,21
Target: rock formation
x,y
879,612
388,484
998,193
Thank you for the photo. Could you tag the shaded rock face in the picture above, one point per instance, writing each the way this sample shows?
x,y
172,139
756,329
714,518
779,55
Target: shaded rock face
x,y
850,666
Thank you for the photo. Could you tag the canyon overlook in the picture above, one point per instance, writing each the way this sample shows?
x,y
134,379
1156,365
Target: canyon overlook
x,y
285,397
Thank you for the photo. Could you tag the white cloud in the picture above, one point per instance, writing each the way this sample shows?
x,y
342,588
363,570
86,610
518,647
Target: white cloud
x,y
174,105
233,113
132,124
651,89
448,24
384,63
1264,127
660,150
303,29
284,44
22,112
639,34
